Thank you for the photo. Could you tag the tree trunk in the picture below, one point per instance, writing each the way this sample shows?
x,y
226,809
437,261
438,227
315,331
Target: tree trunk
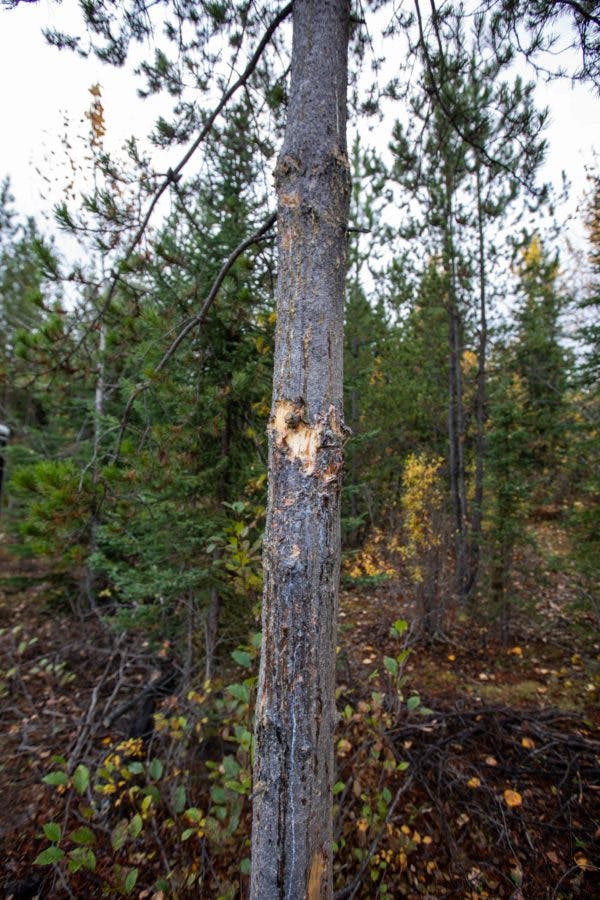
x,y
477,518
213,613
295,712
99,395
455,404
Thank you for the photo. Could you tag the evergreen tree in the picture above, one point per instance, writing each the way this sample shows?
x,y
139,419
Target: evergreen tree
x,y
541,362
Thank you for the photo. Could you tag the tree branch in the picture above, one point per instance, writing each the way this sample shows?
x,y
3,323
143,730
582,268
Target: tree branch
x,y
462,133
173,175
196,320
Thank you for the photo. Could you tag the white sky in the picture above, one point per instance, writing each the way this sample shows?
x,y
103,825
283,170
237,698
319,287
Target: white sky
x,y
39,84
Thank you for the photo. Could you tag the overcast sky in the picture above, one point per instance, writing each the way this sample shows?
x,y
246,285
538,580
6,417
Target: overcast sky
x,y
41,84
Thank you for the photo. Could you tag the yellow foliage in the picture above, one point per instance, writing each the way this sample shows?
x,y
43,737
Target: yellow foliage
x,y
422,498
95,116
370,560
468,361
376,375
532,254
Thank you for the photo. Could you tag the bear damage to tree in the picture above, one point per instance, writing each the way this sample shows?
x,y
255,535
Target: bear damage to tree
x,y
295,713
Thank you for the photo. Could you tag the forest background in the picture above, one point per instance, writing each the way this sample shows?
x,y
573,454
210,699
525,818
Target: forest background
x,y
135,378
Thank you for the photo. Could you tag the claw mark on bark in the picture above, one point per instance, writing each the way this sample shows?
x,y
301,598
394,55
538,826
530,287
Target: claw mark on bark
x,y
302,441
316,877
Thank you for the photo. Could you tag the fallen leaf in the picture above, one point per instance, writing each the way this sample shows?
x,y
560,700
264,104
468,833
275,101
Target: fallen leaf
x,y
581,860
473,782
512,798
553,857
491,761
527,743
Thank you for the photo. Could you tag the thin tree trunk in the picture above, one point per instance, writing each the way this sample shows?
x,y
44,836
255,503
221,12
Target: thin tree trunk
x,y
295,712
455,406
353,458
99,396
213,613
480,416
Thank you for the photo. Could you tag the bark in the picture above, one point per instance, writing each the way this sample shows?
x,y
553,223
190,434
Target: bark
x,y
455,405
2,445
213,613
99,395
295,712
480,404
353,459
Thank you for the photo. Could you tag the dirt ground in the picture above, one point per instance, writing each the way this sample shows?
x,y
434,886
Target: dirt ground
x,y
505,765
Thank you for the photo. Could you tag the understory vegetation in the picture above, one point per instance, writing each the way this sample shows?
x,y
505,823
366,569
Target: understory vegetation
x,y
136,384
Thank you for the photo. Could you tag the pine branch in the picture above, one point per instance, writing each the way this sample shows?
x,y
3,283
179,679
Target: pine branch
x,y
196,320
450,118
173,175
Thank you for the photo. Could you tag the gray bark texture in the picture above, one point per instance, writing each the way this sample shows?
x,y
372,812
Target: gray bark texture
x,y
295,711
456,430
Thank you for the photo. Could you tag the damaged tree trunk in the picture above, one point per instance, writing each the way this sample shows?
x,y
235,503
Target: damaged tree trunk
x,y
295,712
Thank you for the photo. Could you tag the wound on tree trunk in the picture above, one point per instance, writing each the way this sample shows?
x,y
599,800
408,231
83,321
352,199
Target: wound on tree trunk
x,y
295,713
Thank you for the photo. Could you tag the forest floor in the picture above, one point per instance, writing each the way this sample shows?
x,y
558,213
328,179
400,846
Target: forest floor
x,y
503,798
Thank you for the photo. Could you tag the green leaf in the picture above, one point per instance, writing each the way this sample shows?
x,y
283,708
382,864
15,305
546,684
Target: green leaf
x,y
55,778
135,826
242,658
239,691
390,664
187,833
155,769
81,778
399,626
84,836
338,788
52,831
231,766
245,866
193,814
413,702
386,794
118,835
48,856
130,881
179,799
136,768
82,858
218,794
403,766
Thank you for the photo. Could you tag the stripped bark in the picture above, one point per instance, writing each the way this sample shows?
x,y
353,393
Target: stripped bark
x,y
295,713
